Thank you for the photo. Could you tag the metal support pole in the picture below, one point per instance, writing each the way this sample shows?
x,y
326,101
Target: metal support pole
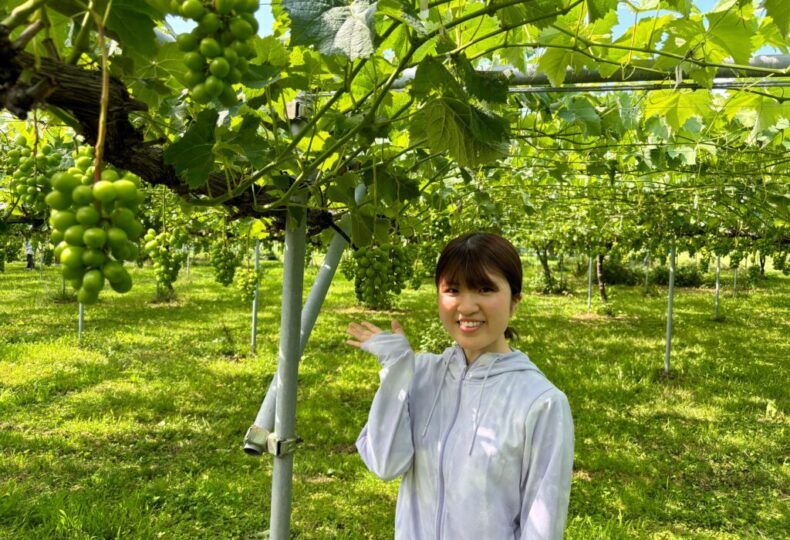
x,y
718,286
735,282
81,322
669,306
287,372
255,298
589,283
255,439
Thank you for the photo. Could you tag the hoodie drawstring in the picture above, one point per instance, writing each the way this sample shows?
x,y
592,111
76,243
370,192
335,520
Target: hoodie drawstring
x,y
436,399
477,409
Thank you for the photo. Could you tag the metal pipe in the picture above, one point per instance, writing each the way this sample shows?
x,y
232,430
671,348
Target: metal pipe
x,y
253,339
718,286
669,306
287,372
80,321
255,439
589,283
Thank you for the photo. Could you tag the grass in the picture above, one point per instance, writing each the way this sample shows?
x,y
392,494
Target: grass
x,y
136,432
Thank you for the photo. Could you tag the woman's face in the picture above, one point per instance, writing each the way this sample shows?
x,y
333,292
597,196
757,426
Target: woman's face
x,y
477,318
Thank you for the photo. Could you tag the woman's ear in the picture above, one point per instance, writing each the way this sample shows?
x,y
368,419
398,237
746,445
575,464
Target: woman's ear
x,y
514,302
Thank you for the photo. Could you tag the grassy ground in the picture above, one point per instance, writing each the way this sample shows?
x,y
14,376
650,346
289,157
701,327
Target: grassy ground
x,y
136,433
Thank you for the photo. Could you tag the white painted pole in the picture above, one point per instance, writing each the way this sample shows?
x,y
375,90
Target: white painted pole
x,y
589,283
255,298
735,282
254,440
718,286
669,306
81,321
287,372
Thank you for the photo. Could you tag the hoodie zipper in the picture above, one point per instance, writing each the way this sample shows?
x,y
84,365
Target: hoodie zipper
x,y
440,508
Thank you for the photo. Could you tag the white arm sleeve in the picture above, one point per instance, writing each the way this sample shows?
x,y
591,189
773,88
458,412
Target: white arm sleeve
x,y
549,467
385,443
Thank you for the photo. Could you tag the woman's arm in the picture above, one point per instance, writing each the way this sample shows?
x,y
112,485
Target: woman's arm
x,y
385,443
549,467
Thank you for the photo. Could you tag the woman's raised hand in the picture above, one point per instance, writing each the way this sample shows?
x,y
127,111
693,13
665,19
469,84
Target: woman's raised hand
x,y
361,332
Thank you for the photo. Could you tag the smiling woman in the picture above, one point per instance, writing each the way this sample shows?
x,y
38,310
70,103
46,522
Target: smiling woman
x,y
482,440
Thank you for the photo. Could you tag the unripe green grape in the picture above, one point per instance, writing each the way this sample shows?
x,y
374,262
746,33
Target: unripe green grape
x,y
58,200
219,67
104,191
209,47
193,78
74,235
200,94
88,216
214,86
187,42
194,61
192,9
82,195
210,23
224,7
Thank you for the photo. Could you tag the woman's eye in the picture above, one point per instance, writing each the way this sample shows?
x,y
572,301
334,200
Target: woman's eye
x,y
487,290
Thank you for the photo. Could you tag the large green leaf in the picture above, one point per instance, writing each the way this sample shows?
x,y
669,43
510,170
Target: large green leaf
x,y
333,26
192,156
540,13
677,107
732,33
779,11
433,77
471,135
581,112
599,8
133,22
486,86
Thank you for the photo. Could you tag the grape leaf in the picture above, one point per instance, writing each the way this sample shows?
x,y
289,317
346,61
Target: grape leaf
x,y
599,8
581,112
731,33
334,26
471,135
778,11
133,23
192,155
486,86
540,13
431,77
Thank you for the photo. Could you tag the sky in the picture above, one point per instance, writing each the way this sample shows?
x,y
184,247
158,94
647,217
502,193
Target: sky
x,y
624,15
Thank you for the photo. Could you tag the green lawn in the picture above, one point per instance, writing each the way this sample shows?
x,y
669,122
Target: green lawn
x,y
136,433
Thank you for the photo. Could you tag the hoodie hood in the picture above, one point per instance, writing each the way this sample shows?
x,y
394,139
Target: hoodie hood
x,y
487,364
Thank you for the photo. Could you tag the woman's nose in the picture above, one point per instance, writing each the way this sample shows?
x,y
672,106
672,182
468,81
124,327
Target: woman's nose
x,y
467,304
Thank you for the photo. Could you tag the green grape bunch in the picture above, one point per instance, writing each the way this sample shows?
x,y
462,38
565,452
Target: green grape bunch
x,y
31,172
246,280
381,272
224,260
166,254
218,49
94,226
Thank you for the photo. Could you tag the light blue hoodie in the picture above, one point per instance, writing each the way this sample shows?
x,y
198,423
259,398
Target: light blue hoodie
x,y
486,451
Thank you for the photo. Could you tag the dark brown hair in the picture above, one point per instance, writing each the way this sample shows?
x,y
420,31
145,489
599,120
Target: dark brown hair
x,y
469,259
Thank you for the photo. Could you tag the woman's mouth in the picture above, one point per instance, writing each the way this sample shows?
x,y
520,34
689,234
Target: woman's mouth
x,y
470,326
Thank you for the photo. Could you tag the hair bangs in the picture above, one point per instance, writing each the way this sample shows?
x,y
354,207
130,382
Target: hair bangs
x,y
468,270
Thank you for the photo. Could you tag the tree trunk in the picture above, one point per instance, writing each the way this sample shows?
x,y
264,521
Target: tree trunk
x,y
762,264
543,256
601,283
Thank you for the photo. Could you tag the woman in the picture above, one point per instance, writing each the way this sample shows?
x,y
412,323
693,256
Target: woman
x,y
483,441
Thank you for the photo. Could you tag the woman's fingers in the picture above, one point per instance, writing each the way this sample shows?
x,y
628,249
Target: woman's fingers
x,y
364,330
397,328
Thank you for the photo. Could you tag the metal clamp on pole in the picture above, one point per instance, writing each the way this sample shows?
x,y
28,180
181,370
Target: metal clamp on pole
x,y
280,447
256,440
